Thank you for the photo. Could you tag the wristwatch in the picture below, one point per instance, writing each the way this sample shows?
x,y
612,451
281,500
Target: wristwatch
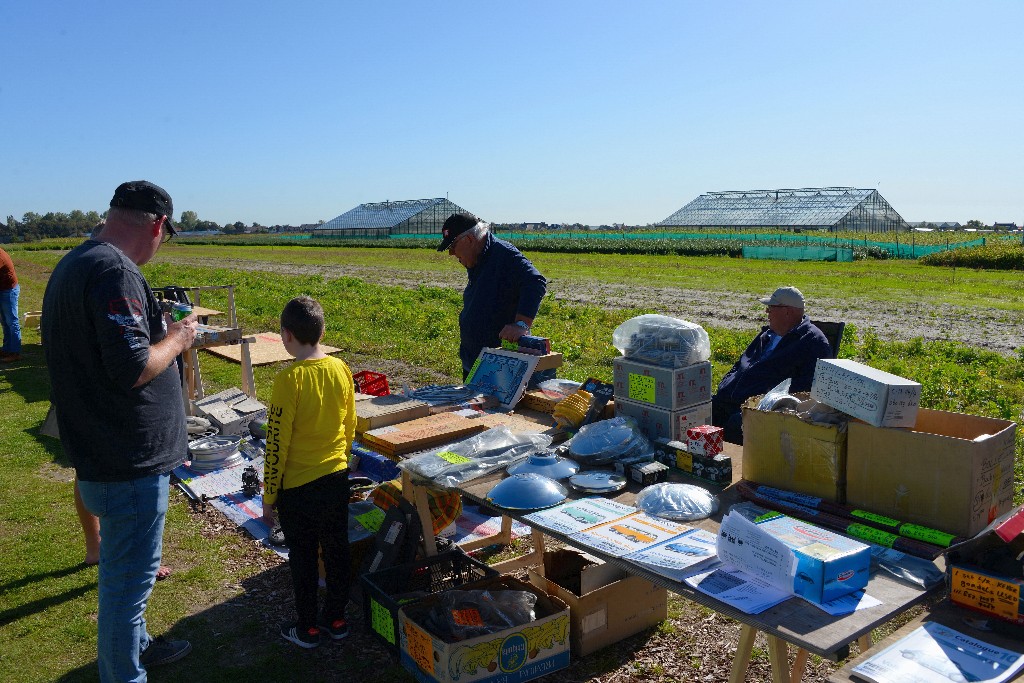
x,y
522,324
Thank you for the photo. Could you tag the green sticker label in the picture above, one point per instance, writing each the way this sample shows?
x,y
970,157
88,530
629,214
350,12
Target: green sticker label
x,y
371,520
641,387
877,519
923,533
453,458
381,621
870,533
771,514
472,371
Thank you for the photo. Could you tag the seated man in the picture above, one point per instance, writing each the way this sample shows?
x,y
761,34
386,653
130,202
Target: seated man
x,y
789,346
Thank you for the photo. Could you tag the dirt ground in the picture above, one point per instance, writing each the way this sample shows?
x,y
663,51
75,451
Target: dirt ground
x,y
993,330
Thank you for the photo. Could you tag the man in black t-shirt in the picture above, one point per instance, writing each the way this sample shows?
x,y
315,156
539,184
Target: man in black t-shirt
x,y
110,352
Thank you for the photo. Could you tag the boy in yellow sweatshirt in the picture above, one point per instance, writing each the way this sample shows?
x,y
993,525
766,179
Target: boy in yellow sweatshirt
x,y
310,426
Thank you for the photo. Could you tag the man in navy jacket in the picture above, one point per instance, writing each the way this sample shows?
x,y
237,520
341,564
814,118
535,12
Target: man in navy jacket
x,y
789,346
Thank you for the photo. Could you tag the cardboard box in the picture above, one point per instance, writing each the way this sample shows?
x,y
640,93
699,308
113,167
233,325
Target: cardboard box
x,y
953,472
715,468
667,388
231,410
535,399
381,411
975,579
705,440
658,423
829,565
783,451
879,398
513,655
606,604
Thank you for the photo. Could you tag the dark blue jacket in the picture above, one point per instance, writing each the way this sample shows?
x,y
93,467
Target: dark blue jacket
x,y
795,357
502,284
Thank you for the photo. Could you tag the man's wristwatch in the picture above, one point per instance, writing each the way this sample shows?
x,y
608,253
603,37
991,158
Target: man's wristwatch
x,y
522,324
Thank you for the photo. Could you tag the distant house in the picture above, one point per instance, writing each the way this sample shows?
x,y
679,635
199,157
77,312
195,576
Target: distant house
x,y
390,218
1004,226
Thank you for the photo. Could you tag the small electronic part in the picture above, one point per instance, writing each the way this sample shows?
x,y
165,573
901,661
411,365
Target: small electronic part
x,y
250,482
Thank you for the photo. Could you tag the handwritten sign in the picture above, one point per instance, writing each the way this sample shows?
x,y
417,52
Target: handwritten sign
x,y
985,593
420,647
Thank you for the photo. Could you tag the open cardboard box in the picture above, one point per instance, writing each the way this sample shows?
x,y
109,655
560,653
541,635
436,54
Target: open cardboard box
x,y
606,604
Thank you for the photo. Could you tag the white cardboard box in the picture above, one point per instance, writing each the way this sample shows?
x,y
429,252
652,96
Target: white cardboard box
x,y
879,398
657,423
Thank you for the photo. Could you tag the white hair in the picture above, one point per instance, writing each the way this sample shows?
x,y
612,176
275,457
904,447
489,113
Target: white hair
x,y
480,230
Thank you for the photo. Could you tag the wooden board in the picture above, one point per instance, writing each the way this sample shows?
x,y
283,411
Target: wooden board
x,y
268,348
422,433
381,411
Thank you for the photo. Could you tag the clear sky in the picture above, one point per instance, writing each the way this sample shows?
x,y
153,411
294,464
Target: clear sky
x,y
558,111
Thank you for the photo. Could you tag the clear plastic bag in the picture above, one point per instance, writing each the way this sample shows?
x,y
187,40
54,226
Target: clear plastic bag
x,y
487,452
776,395
606,441
461,615
558,387
661,340
679,502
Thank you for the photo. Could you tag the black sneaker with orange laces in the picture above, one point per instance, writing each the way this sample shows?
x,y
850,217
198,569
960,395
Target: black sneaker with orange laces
x,y
307,639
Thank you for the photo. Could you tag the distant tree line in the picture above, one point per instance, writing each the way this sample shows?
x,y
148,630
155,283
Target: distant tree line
x,y
34,226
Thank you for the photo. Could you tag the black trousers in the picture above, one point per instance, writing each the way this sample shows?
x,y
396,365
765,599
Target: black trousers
x,y
314,517
728,415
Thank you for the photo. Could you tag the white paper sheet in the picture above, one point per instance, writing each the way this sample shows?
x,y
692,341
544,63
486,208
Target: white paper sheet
x,y
733,587
569,518
743,545
678,557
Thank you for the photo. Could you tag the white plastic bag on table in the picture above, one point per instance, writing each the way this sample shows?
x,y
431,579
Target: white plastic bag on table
x,y
661,340
678,502
559,388
497,448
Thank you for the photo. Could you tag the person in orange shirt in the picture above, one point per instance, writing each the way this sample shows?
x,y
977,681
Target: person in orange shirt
x,y
9,291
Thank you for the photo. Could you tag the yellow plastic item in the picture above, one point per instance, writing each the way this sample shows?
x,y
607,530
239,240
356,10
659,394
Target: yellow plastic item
x,y
570,411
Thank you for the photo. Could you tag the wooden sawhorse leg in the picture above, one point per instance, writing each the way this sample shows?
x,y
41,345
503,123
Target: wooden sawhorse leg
x,y
778,655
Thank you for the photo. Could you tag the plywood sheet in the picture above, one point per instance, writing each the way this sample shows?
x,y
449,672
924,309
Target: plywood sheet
x,y
421,433
268,348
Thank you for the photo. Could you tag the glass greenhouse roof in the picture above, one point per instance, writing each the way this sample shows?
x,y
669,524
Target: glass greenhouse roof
x,y
804,207
380,214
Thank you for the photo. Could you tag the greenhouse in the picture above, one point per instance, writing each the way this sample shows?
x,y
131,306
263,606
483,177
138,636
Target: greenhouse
x,y
825,208
389,219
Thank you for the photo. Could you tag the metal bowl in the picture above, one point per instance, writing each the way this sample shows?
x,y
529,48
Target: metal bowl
x,y
597,482
527,491
547,464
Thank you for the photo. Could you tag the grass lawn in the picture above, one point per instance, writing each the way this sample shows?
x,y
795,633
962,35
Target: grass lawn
x,y
48,601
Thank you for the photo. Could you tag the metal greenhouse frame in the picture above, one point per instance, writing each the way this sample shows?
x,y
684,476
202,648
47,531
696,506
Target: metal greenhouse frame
x,y
388,219
824,208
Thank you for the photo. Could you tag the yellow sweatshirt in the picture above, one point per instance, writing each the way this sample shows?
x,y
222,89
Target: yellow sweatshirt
x,y
310,424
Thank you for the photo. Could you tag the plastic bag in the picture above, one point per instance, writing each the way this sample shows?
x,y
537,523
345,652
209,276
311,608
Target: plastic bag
x,y
661,340
558,387
680,502
487,452
604,442
777,394
461,615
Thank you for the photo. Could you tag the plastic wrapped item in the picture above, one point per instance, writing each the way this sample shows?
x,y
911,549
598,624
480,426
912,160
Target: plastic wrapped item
x,y
776,394
489,451
661,340
461,615
915,570
679,502
559,388
606,441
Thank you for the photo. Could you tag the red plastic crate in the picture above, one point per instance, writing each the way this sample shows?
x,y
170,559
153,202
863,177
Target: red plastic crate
x,y
372,383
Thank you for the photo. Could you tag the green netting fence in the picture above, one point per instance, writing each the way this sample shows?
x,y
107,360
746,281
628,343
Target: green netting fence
x,y
799,253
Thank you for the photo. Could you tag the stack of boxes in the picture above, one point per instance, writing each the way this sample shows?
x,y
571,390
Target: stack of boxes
x,y
665,401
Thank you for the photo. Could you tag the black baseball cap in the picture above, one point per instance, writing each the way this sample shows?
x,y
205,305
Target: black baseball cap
x,y
456,224
143,195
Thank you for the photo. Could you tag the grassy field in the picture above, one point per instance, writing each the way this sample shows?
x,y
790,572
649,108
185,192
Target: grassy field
x,y
47,602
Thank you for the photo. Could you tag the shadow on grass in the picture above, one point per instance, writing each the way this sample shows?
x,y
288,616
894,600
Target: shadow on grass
x,y
238,639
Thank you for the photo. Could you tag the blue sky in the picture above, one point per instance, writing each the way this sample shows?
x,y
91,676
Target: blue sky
x,y
592,112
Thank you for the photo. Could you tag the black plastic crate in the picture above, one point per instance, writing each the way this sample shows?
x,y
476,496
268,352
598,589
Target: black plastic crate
x,y
385,591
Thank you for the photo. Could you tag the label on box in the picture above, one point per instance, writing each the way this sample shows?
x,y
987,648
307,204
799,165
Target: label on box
x,y
642,388
986,593
453,458
371,520
420,647
467,617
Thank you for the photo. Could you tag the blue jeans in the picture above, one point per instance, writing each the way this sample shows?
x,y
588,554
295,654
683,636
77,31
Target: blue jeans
x,y
131,517
9,318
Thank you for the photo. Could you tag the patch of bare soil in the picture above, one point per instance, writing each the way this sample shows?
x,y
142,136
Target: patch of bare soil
x,y
989,329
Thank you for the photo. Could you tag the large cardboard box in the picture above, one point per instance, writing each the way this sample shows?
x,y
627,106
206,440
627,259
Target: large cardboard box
x,y
606,604
381,411
975,579
513,655
952,472
879,398
657,423
667,388
786,452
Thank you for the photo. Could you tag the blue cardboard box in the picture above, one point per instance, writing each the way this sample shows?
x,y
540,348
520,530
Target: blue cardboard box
x,y
829,565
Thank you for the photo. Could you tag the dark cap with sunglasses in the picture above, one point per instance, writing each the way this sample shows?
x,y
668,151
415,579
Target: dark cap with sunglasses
x,y
456,225
143,195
